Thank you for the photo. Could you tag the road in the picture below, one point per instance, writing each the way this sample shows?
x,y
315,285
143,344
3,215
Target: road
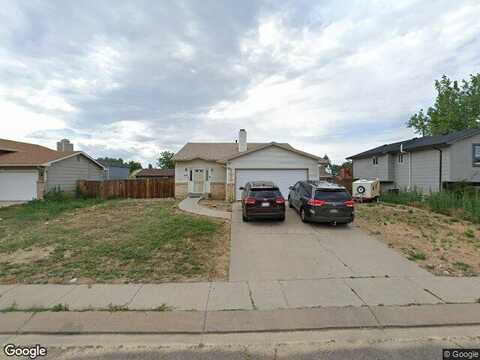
x,y
415,343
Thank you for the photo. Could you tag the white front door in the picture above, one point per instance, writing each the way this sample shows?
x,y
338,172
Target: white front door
x,y
18,185
283,178
198,180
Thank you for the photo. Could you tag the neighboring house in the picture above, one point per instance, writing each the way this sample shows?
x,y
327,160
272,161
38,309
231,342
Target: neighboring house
x,y
116,172
155,174
427,164
27,171
220,169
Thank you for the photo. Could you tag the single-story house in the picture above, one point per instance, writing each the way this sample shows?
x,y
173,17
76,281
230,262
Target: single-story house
x,y
427,164
155,174
116,172
220,169
27,171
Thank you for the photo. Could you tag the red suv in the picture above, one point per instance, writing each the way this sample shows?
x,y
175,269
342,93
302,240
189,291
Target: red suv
x,y
262,200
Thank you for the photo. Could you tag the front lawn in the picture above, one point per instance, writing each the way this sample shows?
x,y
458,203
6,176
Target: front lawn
x,y
444,245
115,241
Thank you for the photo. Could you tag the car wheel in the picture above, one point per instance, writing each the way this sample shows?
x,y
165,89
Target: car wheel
x,y
303,215
290,203
244,218
282,218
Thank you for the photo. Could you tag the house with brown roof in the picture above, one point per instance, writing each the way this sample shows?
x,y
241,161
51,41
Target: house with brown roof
x,y
155,174
27,170
218,170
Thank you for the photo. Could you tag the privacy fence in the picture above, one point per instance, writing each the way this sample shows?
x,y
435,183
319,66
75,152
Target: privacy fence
x,y
132,188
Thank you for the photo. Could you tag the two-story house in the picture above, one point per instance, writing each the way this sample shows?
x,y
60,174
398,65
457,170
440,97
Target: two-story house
x,y
427,164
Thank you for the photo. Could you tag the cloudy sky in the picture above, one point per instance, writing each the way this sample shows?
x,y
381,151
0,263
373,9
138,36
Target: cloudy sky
x,y
130,79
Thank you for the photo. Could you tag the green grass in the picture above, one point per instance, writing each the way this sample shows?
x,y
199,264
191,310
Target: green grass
x,y
105,241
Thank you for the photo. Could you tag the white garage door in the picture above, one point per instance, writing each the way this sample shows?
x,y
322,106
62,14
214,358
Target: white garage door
x,y
18,186
283,178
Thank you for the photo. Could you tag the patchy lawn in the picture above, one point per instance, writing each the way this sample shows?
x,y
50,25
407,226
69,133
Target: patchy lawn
x,y
114,241
441,244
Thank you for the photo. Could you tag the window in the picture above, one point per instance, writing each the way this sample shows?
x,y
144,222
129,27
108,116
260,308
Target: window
x,y
400,158
476,154
206,175
375,160
191,175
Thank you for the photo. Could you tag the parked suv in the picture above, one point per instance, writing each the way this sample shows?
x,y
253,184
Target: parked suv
x,y
321,201
262,199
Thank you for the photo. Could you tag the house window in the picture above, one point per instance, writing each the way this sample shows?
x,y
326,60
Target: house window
x,y
206,175
191,175
375,160
400,158
476,154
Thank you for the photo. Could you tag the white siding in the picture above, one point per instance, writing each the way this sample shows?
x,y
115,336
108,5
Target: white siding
x,y
461,161
276,158
65,173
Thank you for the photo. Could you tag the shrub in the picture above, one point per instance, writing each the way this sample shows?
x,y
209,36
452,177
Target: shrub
x,y
402,197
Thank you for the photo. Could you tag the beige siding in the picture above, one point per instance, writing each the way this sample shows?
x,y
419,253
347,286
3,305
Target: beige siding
x,y
276,158
65,173
217,176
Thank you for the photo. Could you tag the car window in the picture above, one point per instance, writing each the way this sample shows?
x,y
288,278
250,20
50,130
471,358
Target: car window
x,y
265,192
332,195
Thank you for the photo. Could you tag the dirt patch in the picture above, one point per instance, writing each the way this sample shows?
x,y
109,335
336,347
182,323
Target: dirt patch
x,y
216,204
26,256
441,244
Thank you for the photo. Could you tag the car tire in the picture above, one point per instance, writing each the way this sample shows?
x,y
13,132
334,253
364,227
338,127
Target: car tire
x,y
245,218
281,218
303,215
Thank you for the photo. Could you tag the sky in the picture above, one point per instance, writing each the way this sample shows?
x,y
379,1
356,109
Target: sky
x,y
133,78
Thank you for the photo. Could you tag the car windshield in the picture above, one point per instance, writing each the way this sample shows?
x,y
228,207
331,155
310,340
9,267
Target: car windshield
x,y
332,195
265,193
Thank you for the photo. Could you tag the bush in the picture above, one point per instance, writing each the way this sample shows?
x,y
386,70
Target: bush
x,y
402,197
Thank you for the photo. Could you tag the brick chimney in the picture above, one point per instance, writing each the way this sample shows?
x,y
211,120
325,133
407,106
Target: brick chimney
x,y
64,145
242,140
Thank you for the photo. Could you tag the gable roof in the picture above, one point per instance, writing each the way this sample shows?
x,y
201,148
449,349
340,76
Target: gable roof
x,y
223,152
419,143
16,153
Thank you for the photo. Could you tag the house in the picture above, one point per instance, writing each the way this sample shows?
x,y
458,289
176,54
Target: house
x,y
155,174
27,171
220,169
427,164
116,172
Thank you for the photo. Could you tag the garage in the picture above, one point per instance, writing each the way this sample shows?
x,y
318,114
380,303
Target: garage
x,y
18,185
282,177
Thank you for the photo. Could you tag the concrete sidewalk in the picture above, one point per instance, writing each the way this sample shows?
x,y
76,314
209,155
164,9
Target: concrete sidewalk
x,y
190,204
197,322
244,295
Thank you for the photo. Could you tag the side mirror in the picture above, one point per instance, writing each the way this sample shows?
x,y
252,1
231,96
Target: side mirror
x,y
241,188
290,188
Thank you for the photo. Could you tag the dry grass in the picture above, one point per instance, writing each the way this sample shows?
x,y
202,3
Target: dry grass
x,y
114,241
441,244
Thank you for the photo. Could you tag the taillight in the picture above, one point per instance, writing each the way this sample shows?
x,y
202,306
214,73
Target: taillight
x,y
250,200
316,202
280,200
348,203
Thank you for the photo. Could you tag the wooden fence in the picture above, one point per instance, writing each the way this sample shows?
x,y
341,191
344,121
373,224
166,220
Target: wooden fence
x,y
132,188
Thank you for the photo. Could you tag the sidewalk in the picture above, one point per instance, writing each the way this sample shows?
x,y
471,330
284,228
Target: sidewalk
x,y
190,204
198,322
245,295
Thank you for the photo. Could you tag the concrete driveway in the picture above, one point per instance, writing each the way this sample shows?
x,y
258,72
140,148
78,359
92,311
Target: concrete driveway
x,y
289,250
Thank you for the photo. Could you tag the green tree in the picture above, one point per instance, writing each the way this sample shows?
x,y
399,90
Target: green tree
x,y
111,161
134,165
456,107
165,161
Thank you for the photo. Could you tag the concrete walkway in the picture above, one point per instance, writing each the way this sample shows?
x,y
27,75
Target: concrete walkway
x,y
190,204
245,295
197,322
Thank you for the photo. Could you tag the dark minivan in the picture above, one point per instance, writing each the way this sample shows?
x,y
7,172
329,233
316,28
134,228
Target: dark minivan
x,y
321,201
262,200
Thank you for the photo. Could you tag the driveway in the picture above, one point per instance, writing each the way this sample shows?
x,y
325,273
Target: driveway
x,y
267,250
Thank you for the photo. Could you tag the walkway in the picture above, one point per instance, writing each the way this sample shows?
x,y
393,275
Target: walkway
x,y
190,204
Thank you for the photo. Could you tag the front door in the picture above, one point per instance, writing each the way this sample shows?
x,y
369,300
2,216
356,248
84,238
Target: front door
x,y
198,181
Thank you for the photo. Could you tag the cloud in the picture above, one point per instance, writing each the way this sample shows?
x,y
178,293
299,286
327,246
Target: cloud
x,y
130,80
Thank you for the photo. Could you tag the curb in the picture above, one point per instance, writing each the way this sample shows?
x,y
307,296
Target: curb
x,y
241,321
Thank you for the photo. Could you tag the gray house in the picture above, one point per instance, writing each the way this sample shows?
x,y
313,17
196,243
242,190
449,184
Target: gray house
x,y
427,164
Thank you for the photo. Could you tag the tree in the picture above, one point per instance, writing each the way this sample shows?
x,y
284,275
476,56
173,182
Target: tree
x,y
165,161
134,165
335,169
456,107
